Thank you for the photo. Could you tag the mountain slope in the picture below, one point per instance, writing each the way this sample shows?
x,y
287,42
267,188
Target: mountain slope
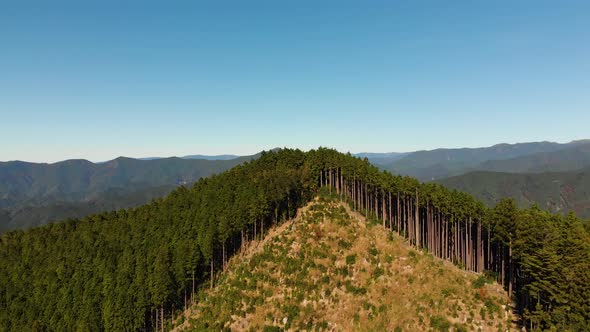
x,y
440,163
554,191
23,183
131,269
33,194
330,270
569,159
216,157
110,200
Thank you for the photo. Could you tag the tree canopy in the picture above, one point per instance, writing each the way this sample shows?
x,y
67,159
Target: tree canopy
x,y
129,269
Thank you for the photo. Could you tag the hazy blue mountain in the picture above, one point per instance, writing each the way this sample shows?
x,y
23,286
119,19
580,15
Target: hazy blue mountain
x,y
554,191
23,183
113,199
441,163
569,159
35,193
198,156
218,157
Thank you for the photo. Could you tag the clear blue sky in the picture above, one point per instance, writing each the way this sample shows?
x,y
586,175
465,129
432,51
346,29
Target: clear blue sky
x,y
136,78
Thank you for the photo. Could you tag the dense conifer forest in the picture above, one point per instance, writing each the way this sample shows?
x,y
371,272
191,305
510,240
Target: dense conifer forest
x,y
131,269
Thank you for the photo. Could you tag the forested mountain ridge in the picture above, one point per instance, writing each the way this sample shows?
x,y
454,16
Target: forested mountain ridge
x,y
570,159
330,269
23,183
112,199
127,270
33,194
558,192
441,163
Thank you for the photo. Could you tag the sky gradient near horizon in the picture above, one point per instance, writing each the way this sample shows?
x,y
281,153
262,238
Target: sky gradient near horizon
x,y
141,79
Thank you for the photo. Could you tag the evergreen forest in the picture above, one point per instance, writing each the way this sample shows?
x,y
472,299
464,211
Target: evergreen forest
x,y
133,269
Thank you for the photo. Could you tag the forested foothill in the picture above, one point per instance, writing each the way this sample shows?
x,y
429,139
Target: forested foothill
x,y
131,269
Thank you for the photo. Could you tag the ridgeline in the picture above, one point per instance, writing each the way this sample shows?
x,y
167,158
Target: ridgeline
x,y
132,269
330,269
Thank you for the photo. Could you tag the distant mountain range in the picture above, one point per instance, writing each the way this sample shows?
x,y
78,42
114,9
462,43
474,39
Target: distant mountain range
x,y
112,199
554,176
199,156
522,157
34,193
37,193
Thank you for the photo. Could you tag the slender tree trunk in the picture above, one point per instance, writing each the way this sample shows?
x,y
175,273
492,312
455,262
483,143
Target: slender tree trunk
x,y
193,292
400,212
383,207
510,269
211,272
223,255
503,267
330,180
417,222
489,262
390,213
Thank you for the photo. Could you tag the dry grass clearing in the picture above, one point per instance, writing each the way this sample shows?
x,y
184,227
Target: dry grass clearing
x,y
331,270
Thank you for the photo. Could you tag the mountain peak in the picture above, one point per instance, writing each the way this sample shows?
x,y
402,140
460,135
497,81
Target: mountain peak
x,y
331,269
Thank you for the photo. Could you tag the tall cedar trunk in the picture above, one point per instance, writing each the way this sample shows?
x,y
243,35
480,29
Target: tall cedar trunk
x,y
480,265
489,263
417,222
330,180
390,213
375,202
211,273
409,221
465,248
193,292
456,242
366,207
503,266
354,192
510,269
223,255
398,224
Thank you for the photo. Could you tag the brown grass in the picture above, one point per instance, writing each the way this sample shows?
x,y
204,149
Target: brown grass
x,y
390,284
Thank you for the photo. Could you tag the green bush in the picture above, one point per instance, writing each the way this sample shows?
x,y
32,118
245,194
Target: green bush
x,y
378,272
481,281
344,244
351,259
373,251
439,323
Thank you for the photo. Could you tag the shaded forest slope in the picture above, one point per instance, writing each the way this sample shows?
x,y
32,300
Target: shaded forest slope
x,y
33,194
558,192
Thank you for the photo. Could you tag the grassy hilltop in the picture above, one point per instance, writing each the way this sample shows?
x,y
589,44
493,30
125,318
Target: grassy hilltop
x,y
330,270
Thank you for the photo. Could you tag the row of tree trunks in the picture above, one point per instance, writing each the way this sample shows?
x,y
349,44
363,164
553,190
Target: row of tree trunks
x,y
465,242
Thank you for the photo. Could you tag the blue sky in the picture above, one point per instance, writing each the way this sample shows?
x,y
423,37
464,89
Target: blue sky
x,y
138,78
